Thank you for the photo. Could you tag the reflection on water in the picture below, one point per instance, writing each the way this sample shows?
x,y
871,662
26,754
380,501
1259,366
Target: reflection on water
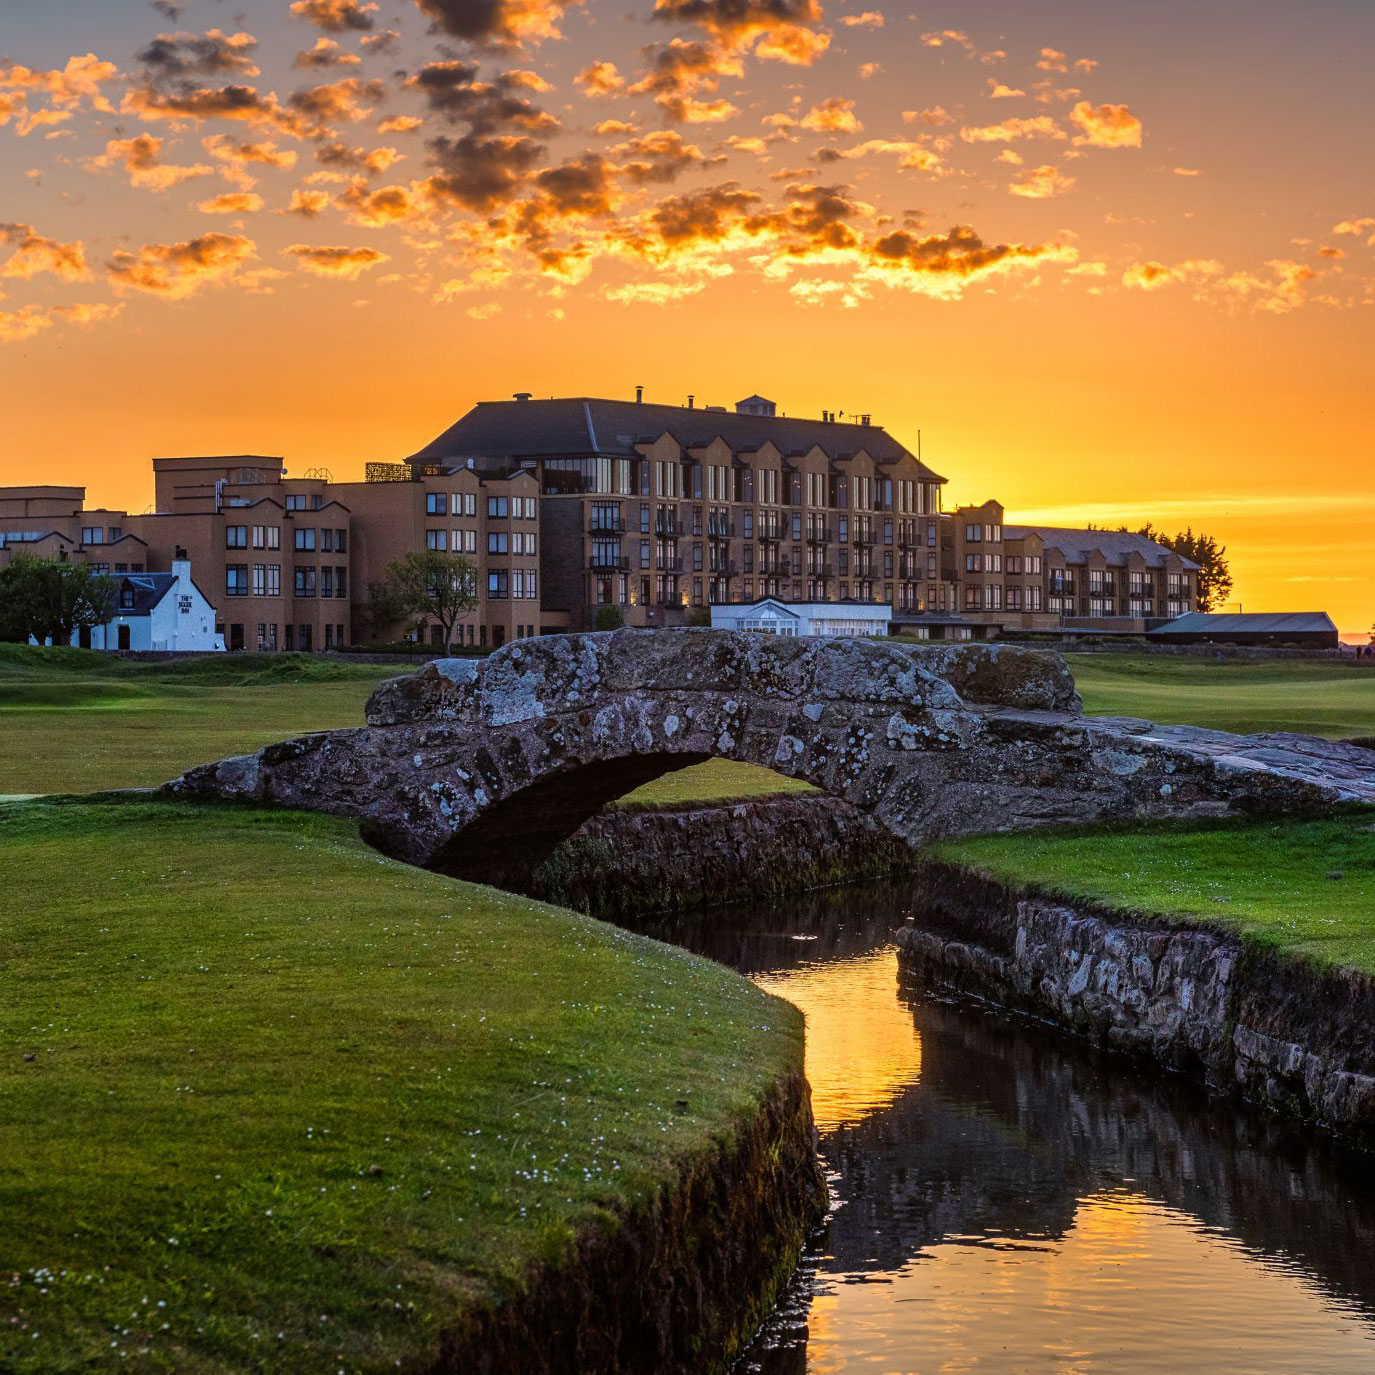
x,y
1003,1200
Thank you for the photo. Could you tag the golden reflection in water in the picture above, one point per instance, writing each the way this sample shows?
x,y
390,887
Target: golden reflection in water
x,y
1133,1286
862,1047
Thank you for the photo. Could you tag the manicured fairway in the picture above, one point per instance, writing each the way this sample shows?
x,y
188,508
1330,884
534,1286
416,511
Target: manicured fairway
x,y
1305,887
1313,697
269,1101
77,721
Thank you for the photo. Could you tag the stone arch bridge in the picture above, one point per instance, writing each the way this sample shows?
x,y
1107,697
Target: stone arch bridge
x,y
481,769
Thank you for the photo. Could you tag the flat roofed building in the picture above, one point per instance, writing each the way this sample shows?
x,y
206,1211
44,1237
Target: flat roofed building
x,y
1310,629
845,620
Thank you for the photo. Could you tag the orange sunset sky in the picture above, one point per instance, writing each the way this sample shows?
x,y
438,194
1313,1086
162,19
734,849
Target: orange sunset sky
x,y
1116,262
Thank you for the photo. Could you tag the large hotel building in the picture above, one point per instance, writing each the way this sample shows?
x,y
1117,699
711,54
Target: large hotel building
x,y
569,505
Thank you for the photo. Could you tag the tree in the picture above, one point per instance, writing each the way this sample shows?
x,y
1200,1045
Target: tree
x,y
430,583
609,617
384,608
51,599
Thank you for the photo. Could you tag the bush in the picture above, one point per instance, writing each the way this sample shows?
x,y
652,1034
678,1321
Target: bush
x,y
609,618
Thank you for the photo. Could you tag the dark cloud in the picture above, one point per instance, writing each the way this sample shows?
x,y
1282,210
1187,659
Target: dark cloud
x,y
168,7
501,23
338,100
174,56
478,172
960,253
661,158
785,29
336,16
185,100
706,215
452,89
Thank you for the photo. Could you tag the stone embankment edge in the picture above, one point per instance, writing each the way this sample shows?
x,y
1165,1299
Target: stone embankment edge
x,y
622,864
1242,1020
678,1284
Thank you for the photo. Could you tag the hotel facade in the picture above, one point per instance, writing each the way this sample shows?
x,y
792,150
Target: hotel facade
x,y
568,506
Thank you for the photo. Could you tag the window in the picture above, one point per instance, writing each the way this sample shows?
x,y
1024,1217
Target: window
x,y
267,635
973,534
496,508
236,537
274,579
92,534
259,580
116,533
295,503
498,584
529,507
327,583
236,580
469,503
523,583
305,583
341,584
497,542
436,539
260,540
464,541
304,538
274,536
436,503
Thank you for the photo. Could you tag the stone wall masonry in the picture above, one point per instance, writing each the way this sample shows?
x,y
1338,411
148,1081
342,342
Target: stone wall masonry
x,y
1273,1030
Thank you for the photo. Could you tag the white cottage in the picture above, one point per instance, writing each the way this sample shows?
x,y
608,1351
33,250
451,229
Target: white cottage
x,y
774,617
163,611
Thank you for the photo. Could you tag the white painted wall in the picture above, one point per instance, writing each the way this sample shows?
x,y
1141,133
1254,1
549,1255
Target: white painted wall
x,y
775,617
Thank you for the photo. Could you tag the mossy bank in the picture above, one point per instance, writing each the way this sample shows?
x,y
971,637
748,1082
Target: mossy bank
x,y
269,1101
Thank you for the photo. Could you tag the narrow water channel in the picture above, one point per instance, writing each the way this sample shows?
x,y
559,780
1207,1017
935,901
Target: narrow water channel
x,y
1005,1200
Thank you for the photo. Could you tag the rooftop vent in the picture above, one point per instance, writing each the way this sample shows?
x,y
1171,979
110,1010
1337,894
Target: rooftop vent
x,y
755,405
639,395
522,395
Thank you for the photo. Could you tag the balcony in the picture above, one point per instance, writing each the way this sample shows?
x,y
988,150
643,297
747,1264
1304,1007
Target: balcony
x,y
824,572
607,525
774,568
721,529
668,525
668,563
609,563
769,534
820,534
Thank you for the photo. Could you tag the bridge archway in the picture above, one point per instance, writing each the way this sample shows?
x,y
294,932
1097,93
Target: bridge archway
x,y
482,768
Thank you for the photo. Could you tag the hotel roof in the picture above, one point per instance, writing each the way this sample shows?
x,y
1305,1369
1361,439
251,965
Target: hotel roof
x,y
580,427
1076,545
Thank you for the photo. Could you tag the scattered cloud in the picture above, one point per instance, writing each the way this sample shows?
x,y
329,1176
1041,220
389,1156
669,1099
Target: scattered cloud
x,y
1105,126
332,261
997,91
497,23
34,254
1041,183
326,53
336,16
870,19
1152,276
141,158
177,270
1018,127
16,326
231,203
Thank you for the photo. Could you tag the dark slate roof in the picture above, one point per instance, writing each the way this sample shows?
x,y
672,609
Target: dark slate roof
x,y
577,427
1279,623
1115,545
148,589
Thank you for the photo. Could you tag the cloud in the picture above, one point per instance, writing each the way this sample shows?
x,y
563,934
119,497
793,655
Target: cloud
x,y
177,270
372,208
331,261
365,160
245,154
652,293
1186,171
681,68
141,158
479,171
196,104
600,79
1052,60
92,313
660,158
231,203
400,124
997,91
345,99
336,16
68,86
1040,183
933,117
870,19
1035,126
175,56
941,38
18,325
1152,276
1357,227
452,90
326,53
915,156
498,23
34,253
835,114
779,29
613,128
1105,126
307,204
942,265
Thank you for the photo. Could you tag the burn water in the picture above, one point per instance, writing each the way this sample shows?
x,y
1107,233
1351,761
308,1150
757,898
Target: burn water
x,y
1005,1199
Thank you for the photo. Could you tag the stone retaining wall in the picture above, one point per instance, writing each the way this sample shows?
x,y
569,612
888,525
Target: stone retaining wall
x,y
1273,1030
626,864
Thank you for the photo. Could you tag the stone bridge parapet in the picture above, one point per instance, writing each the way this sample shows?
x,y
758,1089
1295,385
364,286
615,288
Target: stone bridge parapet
x,y
481,769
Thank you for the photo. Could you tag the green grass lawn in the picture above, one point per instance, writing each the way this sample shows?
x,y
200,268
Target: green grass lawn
x,y
1304,887
269,1101
1313,697
78,721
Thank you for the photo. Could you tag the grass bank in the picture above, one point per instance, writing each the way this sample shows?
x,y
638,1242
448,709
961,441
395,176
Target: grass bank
x,y
1305,888
1313,697
75,721
269,1101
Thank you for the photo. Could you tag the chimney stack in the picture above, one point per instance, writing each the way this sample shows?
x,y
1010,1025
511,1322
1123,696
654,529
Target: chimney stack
x,y
691,400
639,395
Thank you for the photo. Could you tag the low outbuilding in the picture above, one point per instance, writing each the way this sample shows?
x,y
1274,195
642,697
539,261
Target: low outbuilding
x,y
1310,629
775,617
